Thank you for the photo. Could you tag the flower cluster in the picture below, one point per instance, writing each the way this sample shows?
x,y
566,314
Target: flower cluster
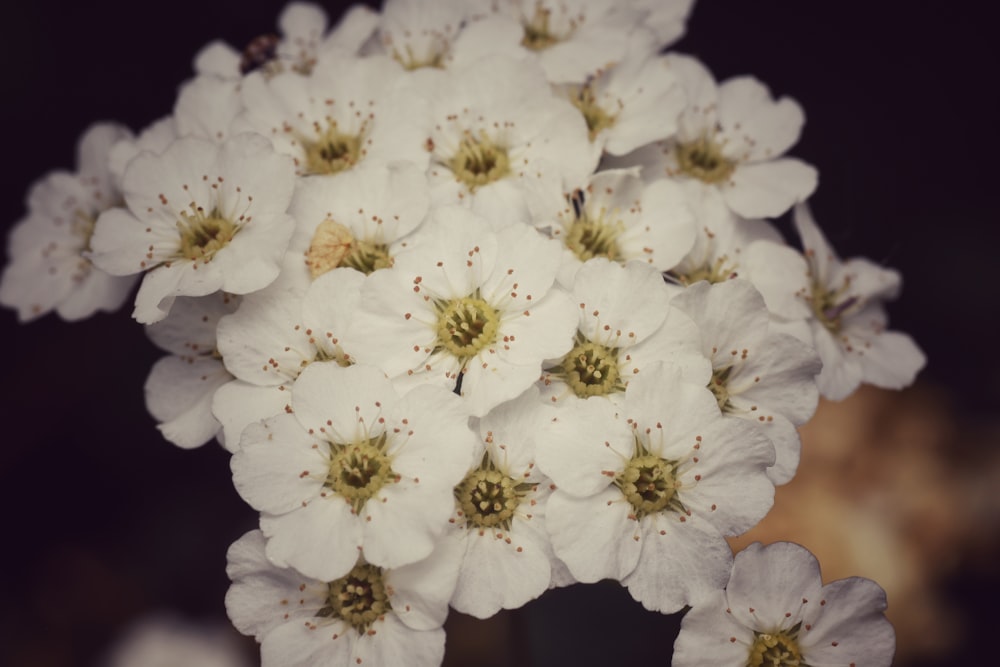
x,y
483,300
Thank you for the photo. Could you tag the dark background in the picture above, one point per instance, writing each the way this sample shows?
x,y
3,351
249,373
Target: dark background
x,y
104,520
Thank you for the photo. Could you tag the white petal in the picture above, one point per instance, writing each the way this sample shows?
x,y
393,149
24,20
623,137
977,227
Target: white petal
x,y
768,189
595,537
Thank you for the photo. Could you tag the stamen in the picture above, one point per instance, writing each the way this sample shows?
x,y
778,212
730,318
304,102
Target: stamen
x,y
703,159
360,598
466,325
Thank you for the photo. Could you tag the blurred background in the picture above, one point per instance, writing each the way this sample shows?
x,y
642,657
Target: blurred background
x,y
107,523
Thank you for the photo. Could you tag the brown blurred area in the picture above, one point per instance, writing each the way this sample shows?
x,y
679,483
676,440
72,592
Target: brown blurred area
x,y
893,488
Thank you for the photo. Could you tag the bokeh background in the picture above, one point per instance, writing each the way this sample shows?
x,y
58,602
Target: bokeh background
x,y
104,522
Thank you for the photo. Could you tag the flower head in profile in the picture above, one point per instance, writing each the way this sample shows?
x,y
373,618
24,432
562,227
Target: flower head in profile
x,y
50,268
841,301
201,217
776,612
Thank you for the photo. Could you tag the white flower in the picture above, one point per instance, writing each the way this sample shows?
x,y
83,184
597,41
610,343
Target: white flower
x,y
620,312
273,337
500,512
721,239
355,468
463,299
420,34
619,217
757,375
302,41
630,103
572,39
503,144
49,266
357,218
180,387
731,137
842,302
647,491
368,616
350,111
776,612
201,217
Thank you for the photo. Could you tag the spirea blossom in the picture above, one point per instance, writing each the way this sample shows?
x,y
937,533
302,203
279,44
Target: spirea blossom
x,y
50,267
775,611
200,218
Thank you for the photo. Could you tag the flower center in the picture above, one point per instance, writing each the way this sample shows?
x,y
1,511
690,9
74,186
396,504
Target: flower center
x,y
703,159
434,58
333,152
597,118
589,238
358,470
718,386
333,245
649,483
776,649
538,35
714,272
489,497
829,306
591,369
479,161
466,326
204,235
359,598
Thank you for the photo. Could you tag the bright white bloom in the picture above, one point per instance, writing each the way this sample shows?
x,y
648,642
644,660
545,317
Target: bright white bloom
x,y
368,616
357,219
504,144
302,41
776,612
49,267
731,137
466,300
421,34
842,302
648,490
166,641
572,39
500,512
619,217
757,375
620,312
355,469
632,103
274,336
180,387
721,240
350,111
201,217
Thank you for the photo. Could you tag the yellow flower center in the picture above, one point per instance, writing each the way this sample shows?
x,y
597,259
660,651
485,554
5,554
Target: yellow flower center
x,y
776,649
466,325
489,497
479,161
649,483
597,118
359,599
703,159
203,235
358,470
591,369
333,151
